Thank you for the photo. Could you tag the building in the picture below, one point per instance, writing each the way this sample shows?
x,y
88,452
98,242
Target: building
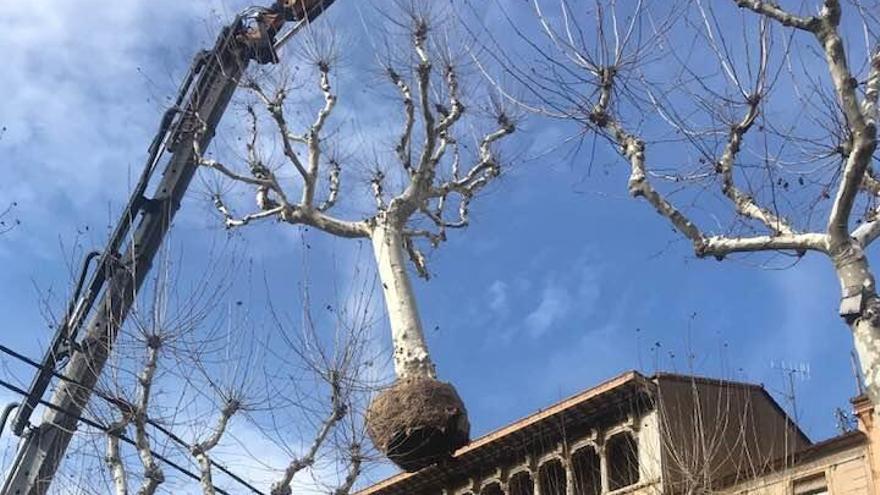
x,y
664,434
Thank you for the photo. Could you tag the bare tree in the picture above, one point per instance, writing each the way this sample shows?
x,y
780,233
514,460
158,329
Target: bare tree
x,y
752,116
192,372
419,419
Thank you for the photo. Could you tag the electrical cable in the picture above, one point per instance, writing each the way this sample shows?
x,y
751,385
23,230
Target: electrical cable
x,y
98,426
171,435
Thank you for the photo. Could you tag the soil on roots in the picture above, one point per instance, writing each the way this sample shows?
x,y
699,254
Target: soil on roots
x,y
418,422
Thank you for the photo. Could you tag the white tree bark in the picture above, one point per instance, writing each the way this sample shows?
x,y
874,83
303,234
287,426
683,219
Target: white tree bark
x,y
114,460
411,358
201,449
153,475
860,307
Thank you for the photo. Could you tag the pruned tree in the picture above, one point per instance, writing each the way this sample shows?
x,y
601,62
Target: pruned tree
x,y
192,371
749,126
419,419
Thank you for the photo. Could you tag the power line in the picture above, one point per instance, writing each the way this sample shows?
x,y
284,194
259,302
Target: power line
x,y
115,401
96,425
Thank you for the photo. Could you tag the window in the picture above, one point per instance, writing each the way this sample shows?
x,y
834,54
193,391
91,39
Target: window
x,y
552,478
622,455
811,485
492,489
521,484
587,471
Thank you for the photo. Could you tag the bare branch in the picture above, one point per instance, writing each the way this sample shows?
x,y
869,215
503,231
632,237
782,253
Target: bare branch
x,y
417,258
423,78
153,475
113,459
261,176
223,169
313,138
863,132
484,169
136,413
200,450
333,188
720,246
867,232
231,221
432,237
456,107
354,470
871,183
404,145
774,11
376,184
746,205
872,89
640,186
275,107
8,224
338,411
331,225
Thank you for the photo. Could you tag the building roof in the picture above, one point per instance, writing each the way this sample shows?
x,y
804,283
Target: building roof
x,y
623,389
499,442
759,388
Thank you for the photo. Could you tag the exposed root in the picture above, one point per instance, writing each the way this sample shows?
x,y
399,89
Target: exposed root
x,y
418,422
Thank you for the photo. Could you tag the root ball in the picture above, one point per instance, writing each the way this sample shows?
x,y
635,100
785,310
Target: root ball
x,y
418,422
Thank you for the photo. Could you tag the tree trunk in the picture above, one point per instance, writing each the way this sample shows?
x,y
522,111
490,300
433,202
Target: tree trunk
x,y
860,307
411,358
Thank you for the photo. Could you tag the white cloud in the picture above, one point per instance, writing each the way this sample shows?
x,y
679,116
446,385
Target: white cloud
x,y
498,300
84,85
569,296
554,306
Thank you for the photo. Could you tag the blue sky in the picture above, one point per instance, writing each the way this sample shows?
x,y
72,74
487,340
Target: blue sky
x,y
562,280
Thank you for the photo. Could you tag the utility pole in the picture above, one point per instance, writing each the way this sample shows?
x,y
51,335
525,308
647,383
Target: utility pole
x,y
202,100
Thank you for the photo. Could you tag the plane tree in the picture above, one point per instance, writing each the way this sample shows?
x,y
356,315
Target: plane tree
x,y
178,394
749,126
418,188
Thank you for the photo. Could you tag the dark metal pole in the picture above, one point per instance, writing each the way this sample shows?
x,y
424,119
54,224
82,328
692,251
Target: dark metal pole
x,y
7,410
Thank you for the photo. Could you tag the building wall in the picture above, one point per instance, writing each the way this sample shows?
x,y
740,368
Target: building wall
x,y
712,430
842,473
644,428
733,434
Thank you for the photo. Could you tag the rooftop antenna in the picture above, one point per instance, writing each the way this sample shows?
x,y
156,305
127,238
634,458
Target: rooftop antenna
x,y
844,421
790,372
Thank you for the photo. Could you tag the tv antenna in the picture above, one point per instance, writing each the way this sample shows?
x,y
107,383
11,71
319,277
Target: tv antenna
x,y
790,373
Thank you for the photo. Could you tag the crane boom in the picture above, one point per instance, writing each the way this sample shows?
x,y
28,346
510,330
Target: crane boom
x,y
119,273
